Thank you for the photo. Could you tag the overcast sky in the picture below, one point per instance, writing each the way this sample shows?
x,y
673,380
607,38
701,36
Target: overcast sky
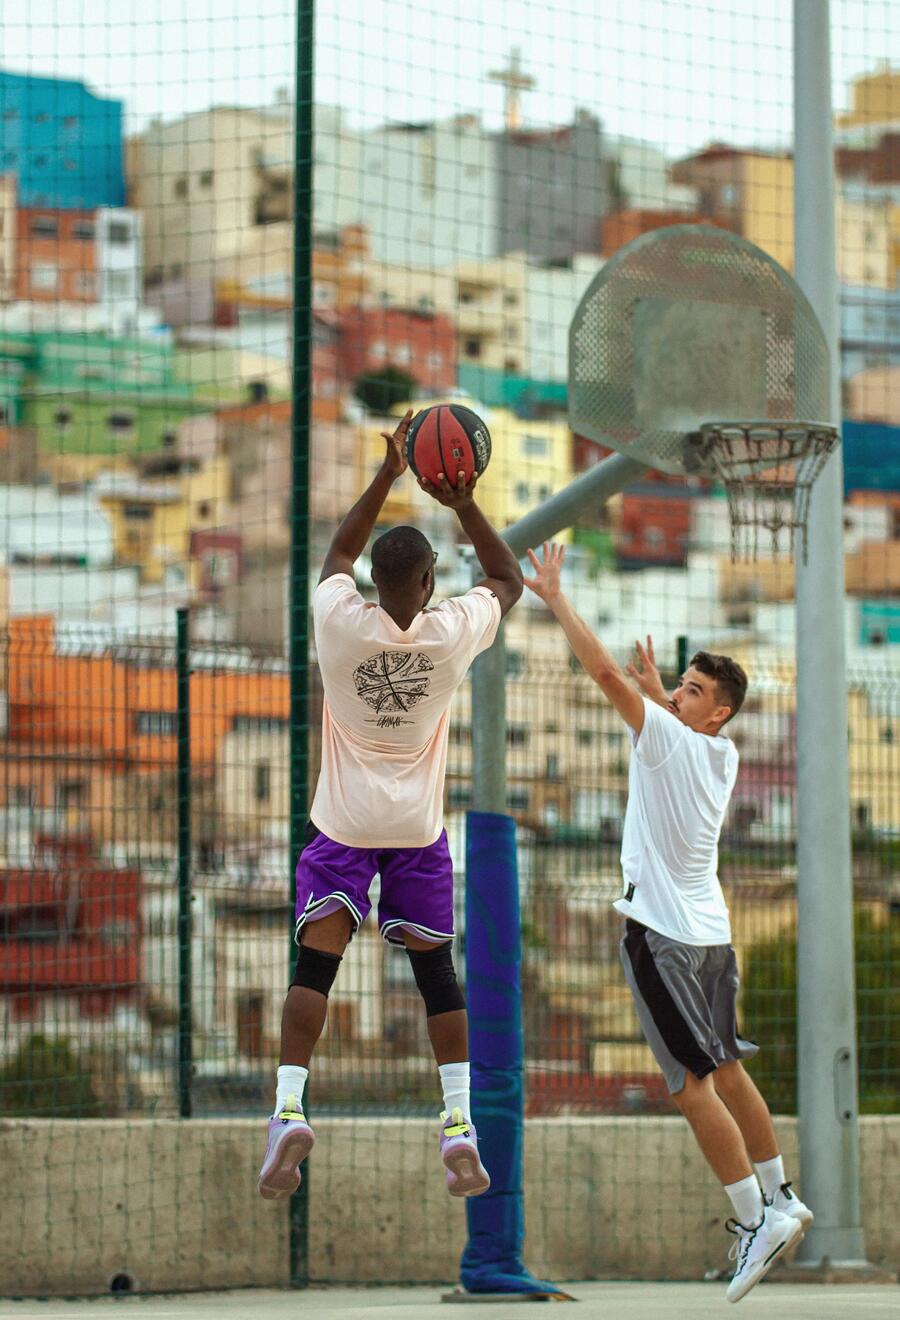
x,y
676,72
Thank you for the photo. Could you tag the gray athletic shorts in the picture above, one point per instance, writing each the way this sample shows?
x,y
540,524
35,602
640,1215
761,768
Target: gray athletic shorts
x,y
685,999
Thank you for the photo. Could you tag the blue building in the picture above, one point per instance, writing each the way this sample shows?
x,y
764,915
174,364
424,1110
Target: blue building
x,y
870,328
63,143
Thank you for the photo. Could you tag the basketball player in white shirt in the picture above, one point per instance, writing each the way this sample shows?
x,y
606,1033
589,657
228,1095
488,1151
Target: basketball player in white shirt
x,y
676,950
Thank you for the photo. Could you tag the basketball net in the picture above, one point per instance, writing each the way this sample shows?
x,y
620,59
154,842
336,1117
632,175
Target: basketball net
x,y
768,470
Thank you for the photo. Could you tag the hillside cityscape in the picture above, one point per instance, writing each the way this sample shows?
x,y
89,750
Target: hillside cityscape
x,y
147,298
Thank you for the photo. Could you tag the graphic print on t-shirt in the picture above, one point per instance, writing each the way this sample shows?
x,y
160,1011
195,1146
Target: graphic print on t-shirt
x,y
393,681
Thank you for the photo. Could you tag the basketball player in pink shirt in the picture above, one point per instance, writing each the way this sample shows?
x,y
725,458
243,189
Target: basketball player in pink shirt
x,y
389,672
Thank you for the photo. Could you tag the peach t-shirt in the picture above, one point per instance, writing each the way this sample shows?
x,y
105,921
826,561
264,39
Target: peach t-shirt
x,y
387,711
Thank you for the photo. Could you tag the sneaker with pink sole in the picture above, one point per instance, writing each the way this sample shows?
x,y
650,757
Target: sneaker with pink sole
x,y
466,1175
290,1141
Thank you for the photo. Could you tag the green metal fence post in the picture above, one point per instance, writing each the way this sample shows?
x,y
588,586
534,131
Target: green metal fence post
x,y
185,1020
299,582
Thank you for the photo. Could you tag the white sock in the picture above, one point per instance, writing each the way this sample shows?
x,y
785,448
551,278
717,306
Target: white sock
x,y
746,1197
291,1081
455,1083
771,1176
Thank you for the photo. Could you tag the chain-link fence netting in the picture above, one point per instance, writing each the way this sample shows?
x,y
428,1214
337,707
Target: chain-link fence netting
x,y
217,287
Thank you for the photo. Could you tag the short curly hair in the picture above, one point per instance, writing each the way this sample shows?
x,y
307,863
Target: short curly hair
x,y
731,680
401,556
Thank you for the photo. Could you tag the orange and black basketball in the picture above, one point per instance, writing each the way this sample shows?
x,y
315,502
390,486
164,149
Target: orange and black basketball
x,y
450,439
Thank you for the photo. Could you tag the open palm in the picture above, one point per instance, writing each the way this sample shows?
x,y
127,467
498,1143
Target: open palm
x,y
545,582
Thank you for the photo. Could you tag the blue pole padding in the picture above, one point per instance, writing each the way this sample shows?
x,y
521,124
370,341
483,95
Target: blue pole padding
x,y
492,1259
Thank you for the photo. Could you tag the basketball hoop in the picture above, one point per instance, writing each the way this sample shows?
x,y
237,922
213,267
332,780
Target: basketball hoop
x,y
768,469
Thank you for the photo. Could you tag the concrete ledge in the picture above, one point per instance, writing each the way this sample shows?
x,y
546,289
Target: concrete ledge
x,y
174,1203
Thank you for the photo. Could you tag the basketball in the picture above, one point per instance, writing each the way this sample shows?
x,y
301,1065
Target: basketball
x,y
450,439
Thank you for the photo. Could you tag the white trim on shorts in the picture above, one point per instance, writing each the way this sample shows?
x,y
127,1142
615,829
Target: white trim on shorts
x,y
437,936
313,906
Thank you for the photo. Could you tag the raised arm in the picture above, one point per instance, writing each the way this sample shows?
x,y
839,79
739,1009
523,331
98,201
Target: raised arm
x,y
353,534
598,663
503,576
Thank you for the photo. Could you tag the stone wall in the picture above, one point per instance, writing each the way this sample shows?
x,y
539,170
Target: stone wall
x,y
174,1204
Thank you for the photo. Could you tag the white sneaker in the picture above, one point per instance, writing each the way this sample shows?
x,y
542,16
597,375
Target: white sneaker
x,y
756,1249
789,1203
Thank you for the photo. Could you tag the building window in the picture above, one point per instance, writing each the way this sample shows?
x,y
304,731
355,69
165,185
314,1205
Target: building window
x,y
44,277
70,793
85,283
584,737
259,724
84,230
206,178
522,492
120,421
137,512
4,415
535,446
553,766
403,353
155,276
175,270
377,349
23,795
118,232
516,735
62,419
517,799
160,723
181,186
510,299
44,226
262,781
458,795
472,348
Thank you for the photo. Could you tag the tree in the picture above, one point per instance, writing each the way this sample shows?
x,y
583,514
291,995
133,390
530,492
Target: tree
x,y
383,390
769,1015
46,1078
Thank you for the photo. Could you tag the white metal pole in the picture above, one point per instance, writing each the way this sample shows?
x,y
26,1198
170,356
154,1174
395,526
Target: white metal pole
x,y
826,1001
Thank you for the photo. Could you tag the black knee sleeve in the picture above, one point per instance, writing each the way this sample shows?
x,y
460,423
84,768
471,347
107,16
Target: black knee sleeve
x,y
436,978
316,970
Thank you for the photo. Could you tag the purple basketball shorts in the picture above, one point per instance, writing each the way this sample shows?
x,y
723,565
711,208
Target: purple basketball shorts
x,y
416,886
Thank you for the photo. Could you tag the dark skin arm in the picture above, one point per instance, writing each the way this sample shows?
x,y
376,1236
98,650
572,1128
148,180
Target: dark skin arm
x,y
353,534
503,576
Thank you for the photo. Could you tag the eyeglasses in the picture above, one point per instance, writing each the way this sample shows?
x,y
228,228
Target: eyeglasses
x,y
435,558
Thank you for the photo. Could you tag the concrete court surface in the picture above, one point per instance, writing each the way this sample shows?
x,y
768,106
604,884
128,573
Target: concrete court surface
x,y
633,1301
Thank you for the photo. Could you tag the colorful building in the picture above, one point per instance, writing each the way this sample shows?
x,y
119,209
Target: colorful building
x,y
62,142
93,393
421,344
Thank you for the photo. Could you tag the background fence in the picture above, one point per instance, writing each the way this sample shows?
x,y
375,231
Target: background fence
x,y
470,176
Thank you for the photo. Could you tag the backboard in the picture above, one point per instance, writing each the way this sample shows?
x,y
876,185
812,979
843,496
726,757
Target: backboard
x,y
687,325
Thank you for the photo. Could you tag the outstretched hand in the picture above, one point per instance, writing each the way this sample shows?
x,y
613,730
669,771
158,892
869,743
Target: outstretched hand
x,y
645,673
395,463
452,497
545,582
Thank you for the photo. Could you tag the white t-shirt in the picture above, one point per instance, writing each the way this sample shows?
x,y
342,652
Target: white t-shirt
x,y
387,711
679,784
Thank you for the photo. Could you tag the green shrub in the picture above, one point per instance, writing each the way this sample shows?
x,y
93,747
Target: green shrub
x,y
769,1015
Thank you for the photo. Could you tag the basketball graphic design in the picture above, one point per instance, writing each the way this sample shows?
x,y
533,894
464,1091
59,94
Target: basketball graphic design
x,y
393,680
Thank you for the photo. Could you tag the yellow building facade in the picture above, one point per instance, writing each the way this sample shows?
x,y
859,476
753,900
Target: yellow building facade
x,y
153,521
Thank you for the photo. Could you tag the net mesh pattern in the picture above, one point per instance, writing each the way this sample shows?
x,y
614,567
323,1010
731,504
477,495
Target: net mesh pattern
x,y
768,471
719,283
